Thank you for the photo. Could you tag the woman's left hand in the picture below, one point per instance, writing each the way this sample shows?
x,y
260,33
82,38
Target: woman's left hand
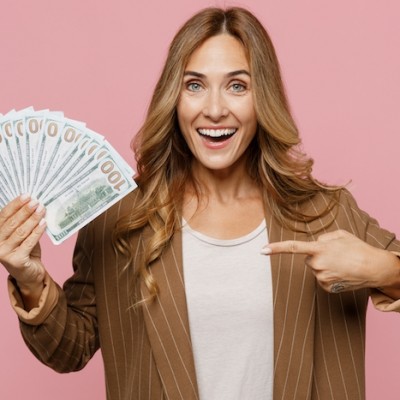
x,y
341,262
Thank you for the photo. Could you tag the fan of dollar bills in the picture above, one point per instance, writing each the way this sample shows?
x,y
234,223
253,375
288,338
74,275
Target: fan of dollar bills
x,y
74,172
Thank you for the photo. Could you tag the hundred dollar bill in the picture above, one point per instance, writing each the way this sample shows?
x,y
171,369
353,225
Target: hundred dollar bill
x,y
73,144
18,127
5,197
47,149
33,130
39,146
18,144
6,160
80,161
75,160
2,203
13,153
54,134
86,198
4,180
90,155
6,128
5,194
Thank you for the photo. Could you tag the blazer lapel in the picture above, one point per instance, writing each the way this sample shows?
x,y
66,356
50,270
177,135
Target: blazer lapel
x,y
294,307
167,324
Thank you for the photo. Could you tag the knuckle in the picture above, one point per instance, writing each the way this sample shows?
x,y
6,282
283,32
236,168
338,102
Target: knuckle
x,y
29,242
13,222
3,214
20,232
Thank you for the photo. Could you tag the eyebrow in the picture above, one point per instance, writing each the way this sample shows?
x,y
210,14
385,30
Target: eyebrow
x,y
229,74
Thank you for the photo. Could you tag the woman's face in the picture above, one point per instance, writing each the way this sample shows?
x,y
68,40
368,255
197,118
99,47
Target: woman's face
x,y
215,110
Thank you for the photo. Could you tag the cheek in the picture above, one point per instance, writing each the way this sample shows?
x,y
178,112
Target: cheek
x,y
248,117
242,105
184,115
189,107
179,112
183,121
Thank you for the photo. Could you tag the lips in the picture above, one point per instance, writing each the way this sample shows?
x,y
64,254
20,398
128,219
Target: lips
x,y
217,135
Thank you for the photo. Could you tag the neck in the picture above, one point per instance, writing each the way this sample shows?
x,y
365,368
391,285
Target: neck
x,y
226,184
226,204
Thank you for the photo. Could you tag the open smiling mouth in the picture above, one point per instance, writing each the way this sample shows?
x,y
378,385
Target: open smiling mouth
x,y
217,135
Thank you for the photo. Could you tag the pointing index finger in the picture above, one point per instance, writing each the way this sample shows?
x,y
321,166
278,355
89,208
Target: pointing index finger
x,y
290,247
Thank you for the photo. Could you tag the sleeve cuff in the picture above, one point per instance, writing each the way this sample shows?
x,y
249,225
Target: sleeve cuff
x,y
384,303
47,302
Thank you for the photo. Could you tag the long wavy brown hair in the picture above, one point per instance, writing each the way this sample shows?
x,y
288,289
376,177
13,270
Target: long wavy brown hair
x,y
277,164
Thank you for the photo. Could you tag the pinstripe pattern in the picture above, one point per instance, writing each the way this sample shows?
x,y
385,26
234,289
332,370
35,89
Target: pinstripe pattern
x,y
319,338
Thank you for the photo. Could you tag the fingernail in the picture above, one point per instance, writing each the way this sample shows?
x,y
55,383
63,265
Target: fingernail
x,y
39,209
42,222
265,251
33,203
24,197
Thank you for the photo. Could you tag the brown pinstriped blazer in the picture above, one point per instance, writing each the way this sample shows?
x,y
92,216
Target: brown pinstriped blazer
x,y
319,337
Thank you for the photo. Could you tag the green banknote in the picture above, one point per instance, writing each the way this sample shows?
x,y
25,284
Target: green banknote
x,y
73,171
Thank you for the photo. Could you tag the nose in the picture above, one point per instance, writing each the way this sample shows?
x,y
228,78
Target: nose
x,y
215,106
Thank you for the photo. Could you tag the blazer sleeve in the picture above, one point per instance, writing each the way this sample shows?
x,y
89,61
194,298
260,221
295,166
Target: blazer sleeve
x,y
62,331
369,230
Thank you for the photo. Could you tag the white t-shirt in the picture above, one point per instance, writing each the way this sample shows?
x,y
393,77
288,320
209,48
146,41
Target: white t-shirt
x,y
229,296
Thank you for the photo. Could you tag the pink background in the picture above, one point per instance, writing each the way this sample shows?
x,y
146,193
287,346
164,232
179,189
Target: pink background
x,y
98,60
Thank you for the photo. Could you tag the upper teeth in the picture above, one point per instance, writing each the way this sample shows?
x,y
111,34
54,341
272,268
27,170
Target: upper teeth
x,y
217,132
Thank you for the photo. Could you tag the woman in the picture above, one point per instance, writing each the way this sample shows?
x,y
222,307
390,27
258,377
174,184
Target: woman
x,y
177,293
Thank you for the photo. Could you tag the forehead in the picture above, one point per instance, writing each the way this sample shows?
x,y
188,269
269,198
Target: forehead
x,y
221,53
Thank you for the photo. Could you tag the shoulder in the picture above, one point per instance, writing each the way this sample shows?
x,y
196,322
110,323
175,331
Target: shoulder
x,y
347,215
335,209
317,204
336,200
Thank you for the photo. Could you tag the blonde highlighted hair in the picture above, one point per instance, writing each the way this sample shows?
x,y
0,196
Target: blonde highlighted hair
x,y
282,171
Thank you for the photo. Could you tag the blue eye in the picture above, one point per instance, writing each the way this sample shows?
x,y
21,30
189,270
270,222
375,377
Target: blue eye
x,y
194,86
238,87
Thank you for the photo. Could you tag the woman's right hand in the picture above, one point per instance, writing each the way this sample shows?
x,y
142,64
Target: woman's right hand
x,y
21,227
